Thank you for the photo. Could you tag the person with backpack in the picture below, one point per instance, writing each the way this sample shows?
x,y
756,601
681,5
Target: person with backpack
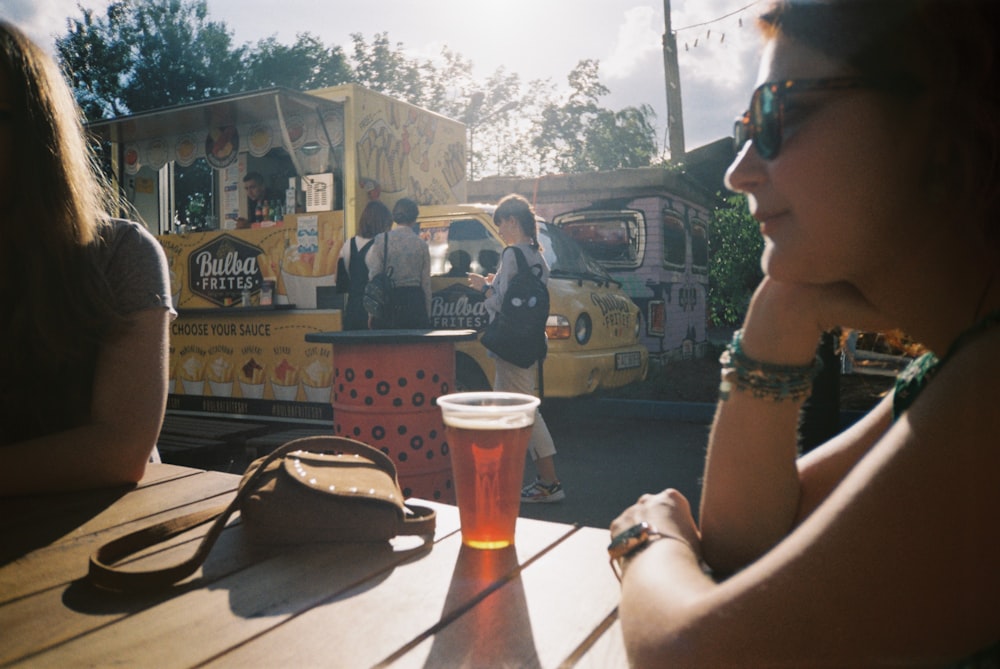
x,y
515,219
405,257
352,271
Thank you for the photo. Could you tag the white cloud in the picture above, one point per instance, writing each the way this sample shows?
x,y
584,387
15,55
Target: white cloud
x,y
638,41
44,20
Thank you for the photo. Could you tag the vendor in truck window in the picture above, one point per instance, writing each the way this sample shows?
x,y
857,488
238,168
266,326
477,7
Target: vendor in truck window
x,y
257,195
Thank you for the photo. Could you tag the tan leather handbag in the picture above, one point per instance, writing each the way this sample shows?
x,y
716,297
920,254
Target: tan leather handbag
x,y
310,490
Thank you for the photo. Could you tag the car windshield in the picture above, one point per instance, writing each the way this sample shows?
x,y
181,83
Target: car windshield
x,y
566,258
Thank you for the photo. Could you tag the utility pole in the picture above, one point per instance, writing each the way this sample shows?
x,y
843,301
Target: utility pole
x,y
672,74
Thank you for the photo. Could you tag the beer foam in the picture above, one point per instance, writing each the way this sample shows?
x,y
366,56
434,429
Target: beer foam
x,y
490,422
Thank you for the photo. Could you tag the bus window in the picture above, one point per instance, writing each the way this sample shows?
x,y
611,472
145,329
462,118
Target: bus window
x,y
699,247
613,238
674,243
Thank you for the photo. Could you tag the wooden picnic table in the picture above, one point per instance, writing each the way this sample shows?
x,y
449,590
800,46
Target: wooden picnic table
x,y
551,601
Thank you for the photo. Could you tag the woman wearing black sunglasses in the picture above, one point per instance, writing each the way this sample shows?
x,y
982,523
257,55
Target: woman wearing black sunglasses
x,y
870,154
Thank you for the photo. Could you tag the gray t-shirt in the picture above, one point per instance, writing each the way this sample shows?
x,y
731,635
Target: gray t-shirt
x,y
409,258
135,266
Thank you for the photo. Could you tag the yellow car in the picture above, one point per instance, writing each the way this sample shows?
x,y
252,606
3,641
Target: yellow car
x,y
593,326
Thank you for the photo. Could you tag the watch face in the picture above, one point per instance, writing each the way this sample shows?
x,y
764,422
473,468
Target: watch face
x,y
629,540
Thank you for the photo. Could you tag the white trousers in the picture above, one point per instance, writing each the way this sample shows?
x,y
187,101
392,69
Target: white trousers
x,y
513,379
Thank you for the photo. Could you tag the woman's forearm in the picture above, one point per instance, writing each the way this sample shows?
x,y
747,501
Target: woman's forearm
x,y
750,492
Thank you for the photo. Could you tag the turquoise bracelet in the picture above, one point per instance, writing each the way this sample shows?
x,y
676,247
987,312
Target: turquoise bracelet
x,y
763,379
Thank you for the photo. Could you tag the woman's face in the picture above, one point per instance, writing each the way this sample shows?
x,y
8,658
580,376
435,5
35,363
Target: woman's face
x,y
6,137
837,200
510,230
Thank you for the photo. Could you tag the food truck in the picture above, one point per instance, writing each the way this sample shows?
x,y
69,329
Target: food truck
x,y
250,285
246,297
648,227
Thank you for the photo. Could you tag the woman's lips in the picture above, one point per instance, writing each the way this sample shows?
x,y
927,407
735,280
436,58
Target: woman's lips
x,y
770,220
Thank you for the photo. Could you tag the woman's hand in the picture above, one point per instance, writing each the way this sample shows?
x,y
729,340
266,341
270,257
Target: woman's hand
x,y
476,281
785,320
668,512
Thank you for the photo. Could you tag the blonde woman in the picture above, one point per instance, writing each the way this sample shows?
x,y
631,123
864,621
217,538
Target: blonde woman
x,y
85,298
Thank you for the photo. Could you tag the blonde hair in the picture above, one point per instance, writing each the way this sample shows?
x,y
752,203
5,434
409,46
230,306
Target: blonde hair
x,y
59,307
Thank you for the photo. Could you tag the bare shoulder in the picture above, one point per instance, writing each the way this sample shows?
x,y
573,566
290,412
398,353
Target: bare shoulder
x,y
966,390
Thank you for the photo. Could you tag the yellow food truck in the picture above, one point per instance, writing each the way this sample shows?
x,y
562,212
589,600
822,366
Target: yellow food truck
x,y
250,284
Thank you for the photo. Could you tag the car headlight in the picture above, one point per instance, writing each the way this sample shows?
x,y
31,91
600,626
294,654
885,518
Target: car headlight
x,y
584,328
557,327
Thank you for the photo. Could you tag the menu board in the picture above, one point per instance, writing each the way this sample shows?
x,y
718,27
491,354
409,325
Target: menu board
x,y
229,353
253,362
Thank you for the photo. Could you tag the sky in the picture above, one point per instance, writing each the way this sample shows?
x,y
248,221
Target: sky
x,y
717,42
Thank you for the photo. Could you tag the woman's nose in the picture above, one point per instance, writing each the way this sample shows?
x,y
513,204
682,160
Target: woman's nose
x,y
746,171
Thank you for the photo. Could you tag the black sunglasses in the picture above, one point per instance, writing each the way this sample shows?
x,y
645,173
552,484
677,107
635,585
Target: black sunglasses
x,y
763,122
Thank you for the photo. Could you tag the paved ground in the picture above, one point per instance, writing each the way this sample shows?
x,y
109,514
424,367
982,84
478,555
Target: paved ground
x,y
610,453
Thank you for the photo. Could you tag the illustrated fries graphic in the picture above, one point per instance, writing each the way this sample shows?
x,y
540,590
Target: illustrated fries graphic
x,y
317,373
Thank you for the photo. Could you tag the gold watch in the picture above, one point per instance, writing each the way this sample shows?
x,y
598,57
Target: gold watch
x,y
631,540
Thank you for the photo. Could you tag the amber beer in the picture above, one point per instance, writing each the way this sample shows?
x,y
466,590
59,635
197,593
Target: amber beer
x,y
488,436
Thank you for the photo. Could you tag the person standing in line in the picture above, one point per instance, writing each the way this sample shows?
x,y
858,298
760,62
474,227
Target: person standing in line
x,y
86,298
870,155
515,219
410,260
352,270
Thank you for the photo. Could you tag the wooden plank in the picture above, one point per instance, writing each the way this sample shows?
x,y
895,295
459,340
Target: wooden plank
x,y
402,607
57,614
607,651
200,623
32,509
210,428
48,555
537,620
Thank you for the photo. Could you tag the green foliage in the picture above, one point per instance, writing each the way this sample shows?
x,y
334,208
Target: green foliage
x,y
144,54
735,247
305,65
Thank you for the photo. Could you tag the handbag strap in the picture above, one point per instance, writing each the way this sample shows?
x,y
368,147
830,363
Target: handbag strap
x,y
103,573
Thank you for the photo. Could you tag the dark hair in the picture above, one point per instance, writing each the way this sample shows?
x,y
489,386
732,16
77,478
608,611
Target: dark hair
x,y
948,49
375,219
522,211
405,212
254,176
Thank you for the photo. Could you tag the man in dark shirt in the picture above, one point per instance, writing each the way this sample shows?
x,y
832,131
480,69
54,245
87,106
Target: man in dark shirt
x,y
257,194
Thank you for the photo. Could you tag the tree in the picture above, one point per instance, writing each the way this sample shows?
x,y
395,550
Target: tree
x,y
580,136
306,65
735,247
146,54
619,139
383,67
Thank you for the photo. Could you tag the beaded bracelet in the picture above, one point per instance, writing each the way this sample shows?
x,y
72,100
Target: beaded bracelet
x,y
763,379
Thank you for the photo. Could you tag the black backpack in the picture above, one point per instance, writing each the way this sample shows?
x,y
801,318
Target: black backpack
x,y
517,333
378,292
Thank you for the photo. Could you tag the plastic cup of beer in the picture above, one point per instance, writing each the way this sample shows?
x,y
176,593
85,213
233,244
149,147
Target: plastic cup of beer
x,y
488,435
